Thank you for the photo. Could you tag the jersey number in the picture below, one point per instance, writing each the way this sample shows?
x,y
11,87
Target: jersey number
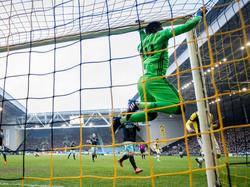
x,y
149,51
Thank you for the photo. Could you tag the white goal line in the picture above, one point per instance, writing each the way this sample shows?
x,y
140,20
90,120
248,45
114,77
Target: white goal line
x,y
28,185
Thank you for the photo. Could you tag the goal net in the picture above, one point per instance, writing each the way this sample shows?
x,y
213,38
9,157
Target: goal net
x,y
68,67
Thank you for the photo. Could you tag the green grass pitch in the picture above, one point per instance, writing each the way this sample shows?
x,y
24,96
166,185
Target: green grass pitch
x,y
104,166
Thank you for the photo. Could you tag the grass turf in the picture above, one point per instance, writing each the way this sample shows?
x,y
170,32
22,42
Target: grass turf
x,y
63,169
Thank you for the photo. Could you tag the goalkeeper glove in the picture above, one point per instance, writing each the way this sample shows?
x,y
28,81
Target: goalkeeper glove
x,y
201,12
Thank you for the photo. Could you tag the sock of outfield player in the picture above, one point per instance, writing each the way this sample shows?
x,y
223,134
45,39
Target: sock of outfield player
x,y
4,157
93,157
132,161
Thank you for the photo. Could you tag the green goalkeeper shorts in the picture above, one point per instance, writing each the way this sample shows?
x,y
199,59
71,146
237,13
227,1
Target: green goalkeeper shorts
x,y
158,92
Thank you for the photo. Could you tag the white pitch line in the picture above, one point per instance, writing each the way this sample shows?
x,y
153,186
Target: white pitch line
x,y
28,185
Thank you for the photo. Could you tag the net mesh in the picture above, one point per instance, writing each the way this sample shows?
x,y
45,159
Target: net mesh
x,y
28,21
223,40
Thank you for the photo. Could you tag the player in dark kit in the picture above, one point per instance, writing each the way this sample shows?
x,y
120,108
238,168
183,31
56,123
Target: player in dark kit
x,y
181,150
94,141
129,136
72,151
2,146
36,153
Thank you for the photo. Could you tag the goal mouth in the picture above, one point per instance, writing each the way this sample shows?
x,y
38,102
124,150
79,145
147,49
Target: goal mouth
x,y
68,69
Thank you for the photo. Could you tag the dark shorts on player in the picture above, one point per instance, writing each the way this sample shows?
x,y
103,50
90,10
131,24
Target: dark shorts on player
x,y
142,151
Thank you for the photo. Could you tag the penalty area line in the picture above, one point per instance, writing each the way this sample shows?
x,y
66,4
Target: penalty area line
x,y
28,185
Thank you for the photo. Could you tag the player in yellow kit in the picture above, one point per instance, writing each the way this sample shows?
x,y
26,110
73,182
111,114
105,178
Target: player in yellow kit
x,y
193,126
157,149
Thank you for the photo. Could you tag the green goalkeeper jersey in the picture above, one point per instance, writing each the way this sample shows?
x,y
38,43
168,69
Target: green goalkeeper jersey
x,y
154,47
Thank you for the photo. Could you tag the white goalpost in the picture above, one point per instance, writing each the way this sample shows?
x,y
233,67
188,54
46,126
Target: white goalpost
x,y
199,87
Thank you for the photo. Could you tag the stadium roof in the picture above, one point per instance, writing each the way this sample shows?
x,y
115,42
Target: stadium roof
x,y
68,119
11,108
